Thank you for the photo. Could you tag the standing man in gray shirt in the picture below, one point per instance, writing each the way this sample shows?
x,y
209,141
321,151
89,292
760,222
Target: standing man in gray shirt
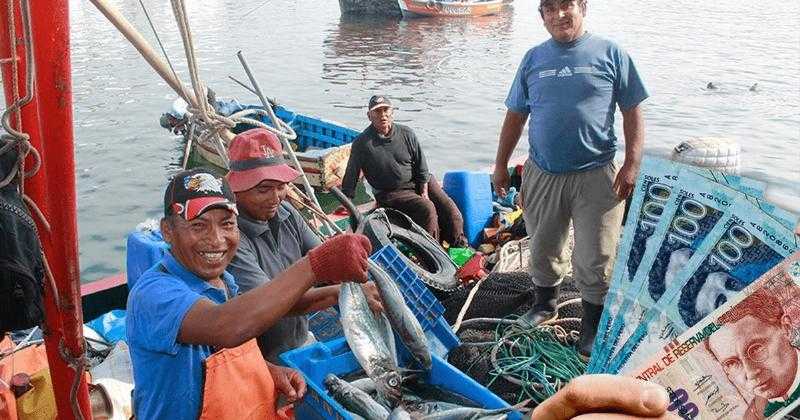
x,y
274,236
393,163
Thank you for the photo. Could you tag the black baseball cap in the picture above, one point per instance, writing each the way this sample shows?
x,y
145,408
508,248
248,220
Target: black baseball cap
x,y
378,101
190,193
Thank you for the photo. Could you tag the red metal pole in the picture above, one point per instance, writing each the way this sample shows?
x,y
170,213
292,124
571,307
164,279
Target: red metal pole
x,y
48,120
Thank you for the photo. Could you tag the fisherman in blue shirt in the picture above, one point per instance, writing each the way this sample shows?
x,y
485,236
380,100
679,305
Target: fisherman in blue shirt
x,y
571,86
192,335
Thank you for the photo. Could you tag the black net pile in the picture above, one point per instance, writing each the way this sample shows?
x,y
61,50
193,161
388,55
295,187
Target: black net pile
x,y
502,295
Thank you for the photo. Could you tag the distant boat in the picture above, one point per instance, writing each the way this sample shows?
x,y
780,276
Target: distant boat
x,y
421,8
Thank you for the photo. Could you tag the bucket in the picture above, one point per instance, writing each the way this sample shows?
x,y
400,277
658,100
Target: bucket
x,y
472,193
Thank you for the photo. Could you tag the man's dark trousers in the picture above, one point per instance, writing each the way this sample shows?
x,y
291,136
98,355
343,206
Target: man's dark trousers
x,y
438,215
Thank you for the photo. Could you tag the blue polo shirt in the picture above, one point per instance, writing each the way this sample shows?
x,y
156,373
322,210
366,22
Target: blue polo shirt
x,y
571,91
168,375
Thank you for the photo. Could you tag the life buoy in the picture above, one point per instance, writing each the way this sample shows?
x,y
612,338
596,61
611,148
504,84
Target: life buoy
x,y
717,153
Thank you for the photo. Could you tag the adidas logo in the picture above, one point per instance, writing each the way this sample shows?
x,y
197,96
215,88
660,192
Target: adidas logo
x,y
565,72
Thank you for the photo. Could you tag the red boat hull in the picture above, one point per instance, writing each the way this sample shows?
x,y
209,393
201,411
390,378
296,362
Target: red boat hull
x,y
421,8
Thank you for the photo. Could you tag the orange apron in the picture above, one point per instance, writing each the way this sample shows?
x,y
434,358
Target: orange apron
x,y
238,385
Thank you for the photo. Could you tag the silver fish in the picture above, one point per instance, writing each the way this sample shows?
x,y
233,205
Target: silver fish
x,y
367,337
403,321
365,384
465,413
399,413
354,399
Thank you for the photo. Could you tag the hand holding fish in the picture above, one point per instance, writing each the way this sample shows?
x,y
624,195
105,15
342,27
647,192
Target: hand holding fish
x,y
605,396
373,297
341,258
288,382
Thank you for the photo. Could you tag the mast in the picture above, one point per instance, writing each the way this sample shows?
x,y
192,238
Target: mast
x,y
48,120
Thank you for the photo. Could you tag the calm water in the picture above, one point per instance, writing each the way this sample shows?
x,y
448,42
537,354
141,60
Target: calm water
x,y
448,78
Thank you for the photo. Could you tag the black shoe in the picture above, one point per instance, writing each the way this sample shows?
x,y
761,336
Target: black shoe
x,y
589,323
544,307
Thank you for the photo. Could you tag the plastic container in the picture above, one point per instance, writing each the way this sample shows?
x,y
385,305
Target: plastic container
x,y
420,300
317,360
145,249
472,193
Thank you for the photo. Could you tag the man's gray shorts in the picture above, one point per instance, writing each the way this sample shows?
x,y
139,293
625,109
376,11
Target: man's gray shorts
x,y
587,199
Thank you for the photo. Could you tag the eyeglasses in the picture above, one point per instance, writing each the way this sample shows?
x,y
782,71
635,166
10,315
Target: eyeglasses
x,y
553,7
755,352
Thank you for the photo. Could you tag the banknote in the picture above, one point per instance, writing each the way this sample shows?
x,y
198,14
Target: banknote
x,y
742,361
697,205
651,195
733,255
696,208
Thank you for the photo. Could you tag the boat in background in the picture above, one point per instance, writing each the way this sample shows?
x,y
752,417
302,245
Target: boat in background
x,y
451,8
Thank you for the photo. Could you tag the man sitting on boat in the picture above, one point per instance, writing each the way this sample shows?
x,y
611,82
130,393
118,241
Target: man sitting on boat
x,y
192,335
393,163
274,236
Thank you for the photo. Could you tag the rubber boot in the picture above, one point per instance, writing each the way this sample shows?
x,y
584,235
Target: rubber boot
x,y
589,323
544,307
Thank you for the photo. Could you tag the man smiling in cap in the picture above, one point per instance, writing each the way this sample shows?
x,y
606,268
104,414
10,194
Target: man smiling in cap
x,y
191,333
273,235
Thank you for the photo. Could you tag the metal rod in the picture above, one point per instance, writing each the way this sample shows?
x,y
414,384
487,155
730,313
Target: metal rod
x,y
286,145
248,88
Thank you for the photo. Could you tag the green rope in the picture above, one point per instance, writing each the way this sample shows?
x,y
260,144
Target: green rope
x,y
540,360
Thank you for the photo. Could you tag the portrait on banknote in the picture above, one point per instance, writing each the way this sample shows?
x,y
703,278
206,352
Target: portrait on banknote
x,y
756,346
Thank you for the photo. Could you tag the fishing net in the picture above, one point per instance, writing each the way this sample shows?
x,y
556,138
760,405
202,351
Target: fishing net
x,y
513,362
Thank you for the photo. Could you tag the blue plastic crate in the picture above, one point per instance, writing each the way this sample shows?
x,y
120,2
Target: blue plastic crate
x,y
320,359
419,298
325,324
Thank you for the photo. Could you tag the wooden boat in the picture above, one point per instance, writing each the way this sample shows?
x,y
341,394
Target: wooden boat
x,y
451,8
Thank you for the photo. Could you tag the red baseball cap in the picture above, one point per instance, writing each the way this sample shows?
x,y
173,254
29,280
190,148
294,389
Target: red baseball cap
x,y
256,155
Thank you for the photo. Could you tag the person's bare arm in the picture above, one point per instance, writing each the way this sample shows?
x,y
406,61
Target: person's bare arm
x,y
513,124
319,298
249,314
341,258
633,128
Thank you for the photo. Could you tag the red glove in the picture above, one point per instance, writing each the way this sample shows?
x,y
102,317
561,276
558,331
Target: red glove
x,y
341,258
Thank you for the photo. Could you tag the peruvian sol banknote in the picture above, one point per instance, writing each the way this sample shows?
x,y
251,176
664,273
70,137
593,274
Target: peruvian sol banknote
x,y
651,194
743,360
698,205
733,255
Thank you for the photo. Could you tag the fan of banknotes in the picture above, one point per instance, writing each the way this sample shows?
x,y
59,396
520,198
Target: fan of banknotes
x,y
705,295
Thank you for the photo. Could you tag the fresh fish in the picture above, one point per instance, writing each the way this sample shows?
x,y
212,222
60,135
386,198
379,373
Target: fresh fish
x,y
354,399
365,384
465,413
399,413
367,337
418,386
403,321
430,407
472,413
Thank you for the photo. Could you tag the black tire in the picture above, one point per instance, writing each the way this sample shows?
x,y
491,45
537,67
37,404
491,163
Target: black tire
x,y
385,226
